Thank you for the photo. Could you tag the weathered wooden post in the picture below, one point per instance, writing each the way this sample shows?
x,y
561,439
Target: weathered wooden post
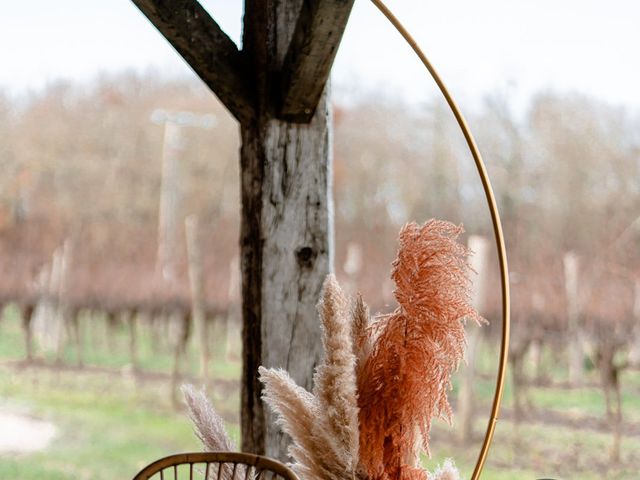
x,y
74,314
276,88
169,201
27,310
197,292
180,322
574,329
634,350
61,292
228,326
466,398
132,319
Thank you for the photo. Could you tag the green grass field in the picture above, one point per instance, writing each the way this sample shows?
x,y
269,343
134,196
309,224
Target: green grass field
x,y
110,424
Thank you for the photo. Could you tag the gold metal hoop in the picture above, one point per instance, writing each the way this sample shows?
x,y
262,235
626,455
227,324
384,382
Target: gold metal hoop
x,y
497,231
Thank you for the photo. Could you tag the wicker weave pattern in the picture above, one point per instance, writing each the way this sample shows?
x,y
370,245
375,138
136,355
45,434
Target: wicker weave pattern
x,y
216,466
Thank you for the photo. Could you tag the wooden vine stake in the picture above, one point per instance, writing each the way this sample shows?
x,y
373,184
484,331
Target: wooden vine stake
x,y
197,293
27,311
576,367
466,405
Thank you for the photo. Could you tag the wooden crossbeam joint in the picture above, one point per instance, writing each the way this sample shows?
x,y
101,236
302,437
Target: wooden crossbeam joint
x,y
310,56
206,48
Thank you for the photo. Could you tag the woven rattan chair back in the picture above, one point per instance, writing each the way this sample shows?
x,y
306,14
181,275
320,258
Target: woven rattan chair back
x,y
216,466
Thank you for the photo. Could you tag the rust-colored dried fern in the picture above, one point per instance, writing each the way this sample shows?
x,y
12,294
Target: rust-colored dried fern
x,y
404,381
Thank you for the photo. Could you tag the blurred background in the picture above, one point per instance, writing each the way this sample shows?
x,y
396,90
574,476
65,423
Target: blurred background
x,y
120,189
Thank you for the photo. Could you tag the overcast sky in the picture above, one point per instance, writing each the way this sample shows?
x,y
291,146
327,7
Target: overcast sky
x,y
590,46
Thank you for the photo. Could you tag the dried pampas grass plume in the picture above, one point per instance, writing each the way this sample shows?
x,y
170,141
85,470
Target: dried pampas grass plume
x,y
361,331
324,424
447,471
209,428
208,425
314,455
335,379
404,381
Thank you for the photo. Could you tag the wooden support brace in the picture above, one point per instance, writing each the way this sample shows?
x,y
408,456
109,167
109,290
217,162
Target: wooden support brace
x,y
310,56
206,48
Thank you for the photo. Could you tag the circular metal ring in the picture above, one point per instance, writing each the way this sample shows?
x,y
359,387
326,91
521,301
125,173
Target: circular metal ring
x,y
497,231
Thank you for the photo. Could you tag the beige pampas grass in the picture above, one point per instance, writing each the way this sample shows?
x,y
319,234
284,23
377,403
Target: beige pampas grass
x,y
335,378
314,454
209,428
362,338
208,425
447,471
324,424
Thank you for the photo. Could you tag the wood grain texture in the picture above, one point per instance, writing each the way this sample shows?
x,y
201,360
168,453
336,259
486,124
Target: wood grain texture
x,y
286,232
310,55
287,252
206,48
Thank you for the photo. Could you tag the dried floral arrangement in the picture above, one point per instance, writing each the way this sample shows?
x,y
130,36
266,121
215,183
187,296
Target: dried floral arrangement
x,y
382,379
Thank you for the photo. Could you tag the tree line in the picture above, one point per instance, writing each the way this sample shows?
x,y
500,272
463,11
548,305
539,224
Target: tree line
x,y
84,174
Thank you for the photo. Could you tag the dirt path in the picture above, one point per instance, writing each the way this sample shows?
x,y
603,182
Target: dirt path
x,y
20,433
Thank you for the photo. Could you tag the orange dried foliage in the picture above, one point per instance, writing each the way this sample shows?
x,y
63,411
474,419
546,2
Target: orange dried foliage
x,y
403,382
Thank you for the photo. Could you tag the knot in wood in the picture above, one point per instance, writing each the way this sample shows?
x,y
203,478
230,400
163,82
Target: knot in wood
x,y
306,256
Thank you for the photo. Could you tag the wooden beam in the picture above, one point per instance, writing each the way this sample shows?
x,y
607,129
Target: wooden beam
x,y
206,48
310,56
286,230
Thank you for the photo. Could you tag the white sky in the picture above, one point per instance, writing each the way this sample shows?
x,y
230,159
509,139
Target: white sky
x,y
516,46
